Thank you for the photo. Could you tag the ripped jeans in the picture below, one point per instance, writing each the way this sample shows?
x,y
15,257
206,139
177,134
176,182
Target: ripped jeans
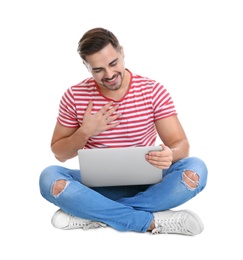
x,y
125,208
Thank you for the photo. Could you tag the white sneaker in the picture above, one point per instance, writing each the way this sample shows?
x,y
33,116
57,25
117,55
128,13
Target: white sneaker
x,y
63,220
183,222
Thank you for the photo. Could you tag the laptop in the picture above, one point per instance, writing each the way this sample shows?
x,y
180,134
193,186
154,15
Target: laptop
x,y
117,166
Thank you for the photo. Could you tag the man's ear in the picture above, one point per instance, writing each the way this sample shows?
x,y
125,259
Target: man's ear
x,y
122,52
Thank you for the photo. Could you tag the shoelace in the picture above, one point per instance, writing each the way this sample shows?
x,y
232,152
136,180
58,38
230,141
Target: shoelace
x,y
85,224
172,225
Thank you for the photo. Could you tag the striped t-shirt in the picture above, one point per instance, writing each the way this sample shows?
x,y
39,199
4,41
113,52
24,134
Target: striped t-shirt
x,y
145,101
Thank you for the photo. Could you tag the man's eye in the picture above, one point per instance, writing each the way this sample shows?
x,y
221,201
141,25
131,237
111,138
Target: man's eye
x,y
97,71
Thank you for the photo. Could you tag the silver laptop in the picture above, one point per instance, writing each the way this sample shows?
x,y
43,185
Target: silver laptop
x,y
117,167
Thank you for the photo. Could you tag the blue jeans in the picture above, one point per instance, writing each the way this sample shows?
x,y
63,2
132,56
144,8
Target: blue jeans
x,y
125,208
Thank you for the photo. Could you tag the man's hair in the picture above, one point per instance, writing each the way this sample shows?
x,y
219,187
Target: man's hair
x,y
95,40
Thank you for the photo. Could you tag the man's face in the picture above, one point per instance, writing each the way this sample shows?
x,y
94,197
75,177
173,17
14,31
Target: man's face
x,y
107,67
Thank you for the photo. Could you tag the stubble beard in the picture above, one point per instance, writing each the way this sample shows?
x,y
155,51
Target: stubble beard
x,y
115,86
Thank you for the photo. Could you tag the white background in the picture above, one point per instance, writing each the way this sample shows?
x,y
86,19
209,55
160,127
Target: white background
x,y
192,47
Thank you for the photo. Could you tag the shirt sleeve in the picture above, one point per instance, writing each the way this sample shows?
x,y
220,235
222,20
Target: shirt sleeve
x,y
162,102
67,115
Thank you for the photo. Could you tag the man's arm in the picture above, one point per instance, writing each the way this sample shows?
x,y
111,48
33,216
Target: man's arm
x,y
67,141
173,135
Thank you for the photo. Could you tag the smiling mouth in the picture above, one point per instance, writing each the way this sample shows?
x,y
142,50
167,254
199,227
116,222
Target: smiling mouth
x,y
112,80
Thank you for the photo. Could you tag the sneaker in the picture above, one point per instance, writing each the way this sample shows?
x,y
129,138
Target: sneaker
x,y
183,222
63,220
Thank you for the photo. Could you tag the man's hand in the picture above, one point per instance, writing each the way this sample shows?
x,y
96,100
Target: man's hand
x,y
104,119
161,159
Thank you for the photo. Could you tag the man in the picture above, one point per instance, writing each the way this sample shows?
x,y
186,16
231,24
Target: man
x,y
117,108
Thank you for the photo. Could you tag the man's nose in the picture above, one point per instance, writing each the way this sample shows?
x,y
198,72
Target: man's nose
x,y
109,73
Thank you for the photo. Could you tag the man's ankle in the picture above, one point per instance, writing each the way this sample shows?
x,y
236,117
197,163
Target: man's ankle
x,y
152,225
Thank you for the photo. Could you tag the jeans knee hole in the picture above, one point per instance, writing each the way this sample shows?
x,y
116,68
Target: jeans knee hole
x,y
58,187
191,179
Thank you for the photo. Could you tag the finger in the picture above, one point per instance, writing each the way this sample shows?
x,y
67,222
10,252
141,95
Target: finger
x,y
112,125
106,107
155,154
164,147
107,114
112,110
89,108
159,160
111,119
159,164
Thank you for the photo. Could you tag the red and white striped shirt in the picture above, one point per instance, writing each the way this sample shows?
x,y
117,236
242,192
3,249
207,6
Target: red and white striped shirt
x,y
145,102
